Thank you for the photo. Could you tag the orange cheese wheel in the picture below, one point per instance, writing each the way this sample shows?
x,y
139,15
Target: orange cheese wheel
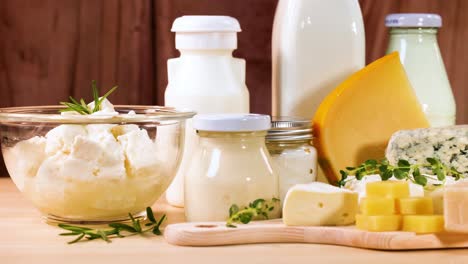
x,y
356,120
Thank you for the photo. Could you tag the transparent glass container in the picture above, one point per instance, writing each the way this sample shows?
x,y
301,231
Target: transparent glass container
x,y
92,169
228,168
420,55
289,143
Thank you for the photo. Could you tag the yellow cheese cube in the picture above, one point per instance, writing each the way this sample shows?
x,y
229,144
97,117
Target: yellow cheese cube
x,y
423,224
415,206
390,189
378,223
377,206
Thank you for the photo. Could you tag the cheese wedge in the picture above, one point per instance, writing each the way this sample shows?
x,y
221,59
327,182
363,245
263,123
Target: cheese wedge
x,y
356,120
319,204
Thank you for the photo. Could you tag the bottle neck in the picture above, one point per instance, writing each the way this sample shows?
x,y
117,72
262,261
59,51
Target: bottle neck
x,y
428,33
206,53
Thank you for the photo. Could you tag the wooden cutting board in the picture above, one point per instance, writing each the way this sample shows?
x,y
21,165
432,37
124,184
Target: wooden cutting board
x,y
274,231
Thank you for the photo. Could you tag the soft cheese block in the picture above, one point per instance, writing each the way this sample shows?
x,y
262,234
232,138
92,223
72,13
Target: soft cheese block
x,y
319,204
423,224
456,207
356,120
448,144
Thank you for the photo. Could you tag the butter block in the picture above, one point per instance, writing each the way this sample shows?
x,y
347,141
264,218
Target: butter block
x,y
389,189
378,223
456,208
415,206
377,206
319,204
423,224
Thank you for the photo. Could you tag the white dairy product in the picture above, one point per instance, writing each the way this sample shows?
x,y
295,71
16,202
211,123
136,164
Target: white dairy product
x,y
229,167
317,204
316,45
205,78
414,36
89,172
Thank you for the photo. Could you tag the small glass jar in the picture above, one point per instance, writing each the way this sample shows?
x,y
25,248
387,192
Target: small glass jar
x,y
289,142
231,165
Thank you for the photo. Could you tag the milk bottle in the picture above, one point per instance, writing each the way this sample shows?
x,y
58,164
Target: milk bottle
x,y
205,78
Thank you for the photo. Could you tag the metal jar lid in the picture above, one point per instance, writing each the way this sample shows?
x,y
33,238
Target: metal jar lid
x,y
289,129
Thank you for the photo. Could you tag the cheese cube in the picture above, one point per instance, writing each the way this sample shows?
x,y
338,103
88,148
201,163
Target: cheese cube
x,y
377,206
319,204
378,223
415,206
456,208
423,224
390,189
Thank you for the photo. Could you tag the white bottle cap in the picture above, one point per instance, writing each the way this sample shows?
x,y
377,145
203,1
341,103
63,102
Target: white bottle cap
x,y
232,122
206,32
414,20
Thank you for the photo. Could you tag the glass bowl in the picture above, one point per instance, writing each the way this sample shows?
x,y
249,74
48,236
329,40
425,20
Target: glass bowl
x,y
92,168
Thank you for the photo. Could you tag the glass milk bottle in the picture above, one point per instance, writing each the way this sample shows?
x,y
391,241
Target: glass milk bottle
x,y
205,78
316,45
414,36
231,165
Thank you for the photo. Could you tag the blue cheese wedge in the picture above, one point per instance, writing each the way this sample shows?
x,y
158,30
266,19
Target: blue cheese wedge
x,y
319,204
448,144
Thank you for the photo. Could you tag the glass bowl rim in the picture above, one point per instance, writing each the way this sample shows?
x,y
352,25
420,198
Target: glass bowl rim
x,y
145,114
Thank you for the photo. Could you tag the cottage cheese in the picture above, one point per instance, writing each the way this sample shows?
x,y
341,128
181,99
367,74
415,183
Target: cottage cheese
x,y
89,172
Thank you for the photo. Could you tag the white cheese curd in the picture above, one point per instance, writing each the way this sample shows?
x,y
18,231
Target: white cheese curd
x,y
89,172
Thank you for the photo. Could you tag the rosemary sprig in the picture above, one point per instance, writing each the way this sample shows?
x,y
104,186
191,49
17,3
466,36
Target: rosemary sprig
x,y
116,229
81,107
257,208
418,173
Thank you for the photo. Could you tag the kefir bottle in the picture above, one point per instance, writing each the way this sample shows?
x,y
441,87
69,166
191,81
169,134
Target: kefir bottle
x,y
231,166
414,36
205,78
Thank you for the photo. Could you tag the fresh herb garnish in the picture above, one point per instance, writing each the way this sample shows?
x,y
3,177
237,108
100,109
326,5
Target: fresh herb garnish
x,y
257,208
81,106
117,229
434,169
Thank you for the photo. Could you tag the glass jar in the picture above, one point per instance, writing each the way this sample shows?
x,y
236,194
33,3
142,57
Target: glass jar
x,y
289,142
414,36
231,165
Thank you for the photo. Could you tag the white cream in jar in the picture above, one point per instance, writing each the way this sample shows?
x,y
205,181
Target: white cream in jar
x,y
230,166
294,157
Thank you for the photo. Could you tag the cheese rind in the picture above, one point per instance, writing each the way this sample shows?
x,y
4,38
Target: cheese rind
x,y
377,206
423,224
389,189
415,206
378,223
448,144
356,120
319,204
456,207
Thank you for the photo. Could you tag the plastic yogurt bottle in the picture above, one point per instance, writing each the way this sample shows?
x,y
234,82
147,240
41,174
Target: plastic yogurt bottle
x,y
289,142
414,36
205,78
231,165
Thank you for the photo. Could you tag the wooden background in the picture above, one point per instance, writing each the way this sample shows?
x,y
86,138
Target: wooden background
x,y
50,49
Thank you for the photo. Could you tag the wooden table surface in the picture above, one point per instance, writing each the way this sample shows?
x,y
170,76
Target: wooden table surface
x,y
25,238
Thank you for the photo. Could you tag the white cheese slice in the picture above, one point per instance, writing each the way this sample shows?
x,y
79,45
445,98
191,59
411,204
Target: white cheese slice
x,y
456,207
319,204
